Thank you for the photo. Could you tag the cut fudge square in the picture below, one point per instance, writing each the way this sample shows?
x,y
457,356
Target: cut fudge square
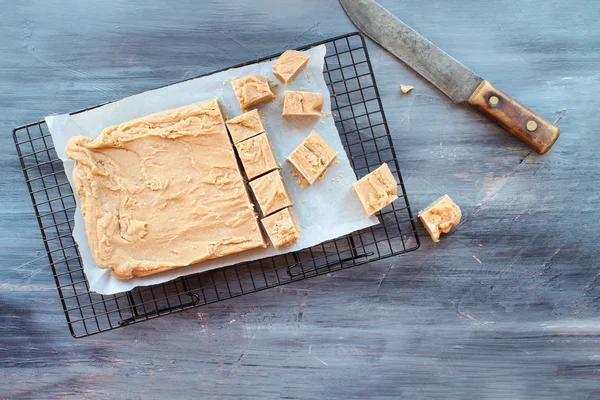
x,y
377,189
252,90
257,155
302,104
312,157
282,227
440,217
245,126
289,64
271,193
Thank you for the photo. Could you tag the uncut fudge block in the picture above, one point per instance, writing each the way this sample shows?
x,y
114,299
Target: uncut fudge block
x,y
257,155
245,126
271,193
289,64
252,90
163,191
377,189
282,227
440,217
312,157
302,104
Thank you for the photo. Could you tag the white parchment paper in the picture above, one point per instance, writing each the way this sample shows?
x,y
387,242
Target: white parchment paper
x,y
326,210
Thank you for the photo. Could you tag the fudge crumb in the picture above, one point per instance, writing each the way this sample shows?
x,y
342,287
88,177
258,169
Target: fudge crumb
x,y
327,114
303,201
338,178
406,88
309,75
302,88
300,181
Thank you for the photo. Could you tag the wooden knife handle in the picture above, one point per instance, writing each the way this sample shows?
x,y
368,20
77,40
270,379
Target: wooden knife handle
x,y
537,132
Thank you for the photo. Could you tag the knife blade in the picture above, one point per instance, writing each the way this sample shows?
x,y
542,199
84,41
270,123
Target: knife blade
x,y
450,76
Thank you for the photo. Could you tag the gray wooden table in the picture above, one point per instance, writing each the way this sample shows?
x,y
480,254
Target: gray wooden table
x,y
507,306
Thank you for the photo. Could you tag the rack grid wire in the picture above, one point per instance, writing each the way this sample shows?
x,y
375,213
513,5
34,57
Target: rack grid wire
x,y
358,115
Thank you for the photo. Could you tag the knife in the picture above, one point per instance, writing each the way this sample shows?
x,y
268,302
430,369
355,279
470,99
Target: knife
x,y
450,76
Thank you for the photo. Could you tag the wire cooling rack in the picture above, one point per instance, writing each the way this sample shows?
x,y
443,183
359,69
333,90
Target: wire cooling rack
x,y
359,117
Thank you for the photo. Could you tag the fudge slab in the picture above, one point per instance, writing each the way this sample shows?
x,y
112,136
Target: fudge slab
x,y
312,157
282,227
163,191
257,155
377,189
271,193
289,64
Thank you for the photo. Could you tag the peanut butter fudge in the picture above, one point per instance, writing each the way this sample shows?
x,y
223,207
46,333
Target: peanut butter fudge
x,y
282,227
245,126
163,191
377,189
302,104
271,193
312,157
440,217
289,64
252,90
257,155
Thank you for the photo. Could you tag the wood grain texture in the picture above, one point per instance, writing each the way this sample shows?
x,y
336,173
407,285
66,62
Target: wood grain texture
x,y
526,125
507,306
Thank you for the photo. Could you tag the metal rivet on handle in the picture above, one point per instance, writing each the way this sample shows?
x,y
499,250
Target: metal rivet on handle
x,y
531,126
494,100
